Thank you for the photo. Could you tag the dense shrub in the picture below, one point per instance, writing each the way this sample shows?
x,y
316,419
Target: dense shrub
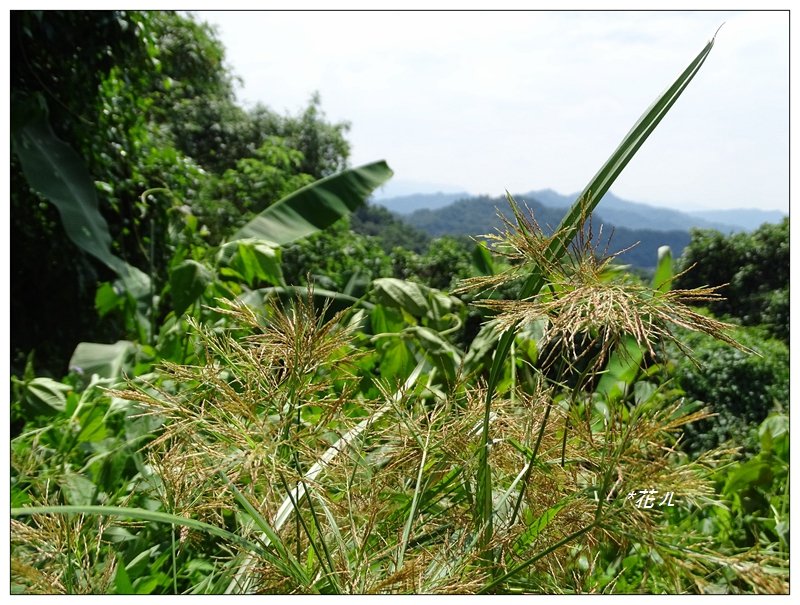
x,y
741,388
755,267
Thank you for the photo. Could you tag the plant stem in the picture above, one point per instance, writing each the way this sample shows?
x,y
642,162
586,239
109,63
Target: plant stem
x,y
536,557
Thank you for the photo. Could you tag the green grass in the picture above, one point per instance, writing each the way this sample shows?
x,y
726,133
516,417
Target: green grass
x,y
286,448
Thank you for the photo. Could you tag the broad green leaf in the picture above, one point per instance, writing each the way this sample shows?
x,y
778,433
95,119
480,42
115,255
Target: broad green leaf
x,y
482,346
137,284
261,262
55,171
93,427
400,294
316,206
774,434
416,299
444,356
482,259
77,489
122,583
395,360
621,369
187,283
133,286
106,299
662,278
255,260
384,320
44,396
756,471
105,360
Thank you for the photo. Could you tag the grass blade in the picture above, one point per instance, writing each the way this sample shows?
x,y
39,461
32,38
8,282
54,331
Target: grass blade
x,y
292,567
569,227
241,580
141,514
414,501
537,527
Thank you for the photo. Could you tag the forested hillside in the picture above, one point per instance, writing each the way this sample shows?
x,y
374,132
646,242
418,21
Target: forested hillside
x,y
482,215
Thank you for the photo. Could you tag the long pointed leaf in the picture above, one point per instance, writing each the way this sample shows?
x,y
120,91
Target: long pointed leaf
x,y
316,206
291,566
57,172
568,229
662,278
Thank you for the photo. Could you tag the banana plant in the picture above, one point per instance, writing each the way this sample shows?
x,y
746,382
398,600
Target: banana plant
x,y
59,174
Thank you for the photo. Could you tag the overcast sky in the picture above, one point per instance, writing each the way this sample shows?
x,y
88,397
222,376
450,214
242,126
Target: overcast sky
x,y
485,102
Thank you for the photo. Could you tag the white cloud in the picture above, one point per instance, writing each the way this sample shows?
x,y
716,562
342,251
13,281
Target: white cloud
x,y
490,101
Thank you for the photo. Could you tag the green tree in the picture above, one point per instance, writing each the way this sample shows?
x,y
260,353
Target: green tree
x,y
334,257
390,230
145,100
754,265
323,145
254,183
59,61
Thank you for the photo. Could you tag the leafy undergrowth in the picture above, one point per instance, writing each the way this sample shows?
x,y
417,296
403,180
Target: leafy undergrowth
x,y
521,434
302,453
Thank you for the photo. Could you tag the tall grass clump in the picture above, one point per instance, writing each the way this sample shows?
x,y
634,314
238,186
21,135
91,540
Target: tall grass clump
x,y
344,483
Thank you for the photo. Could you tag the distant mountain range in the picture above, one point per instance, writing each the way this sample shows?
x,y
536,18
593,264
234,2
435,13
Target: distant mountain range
x,y
626,223
613,210
748,219
406,204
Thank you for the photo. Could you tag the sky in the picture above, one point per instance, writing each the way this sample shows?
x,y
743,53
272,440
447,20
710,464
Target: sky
x,y
487,102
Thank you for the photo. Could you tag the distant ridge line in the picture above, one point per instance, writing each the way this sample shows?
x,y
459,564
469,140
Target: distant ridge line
x,y
614,210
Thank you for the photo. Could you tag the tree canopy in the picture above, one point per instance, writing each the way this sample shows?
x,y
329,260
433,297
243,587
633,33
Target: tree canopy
x,y
755,267
145,100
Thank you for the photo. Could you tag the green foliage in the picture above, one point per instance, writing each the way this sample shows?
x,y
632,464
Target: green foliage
x,y
335,256
331,198
56,172
366,434
323,145
391,231
144,99
250,187
741,387
63,56
755,267
252,261
445,262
